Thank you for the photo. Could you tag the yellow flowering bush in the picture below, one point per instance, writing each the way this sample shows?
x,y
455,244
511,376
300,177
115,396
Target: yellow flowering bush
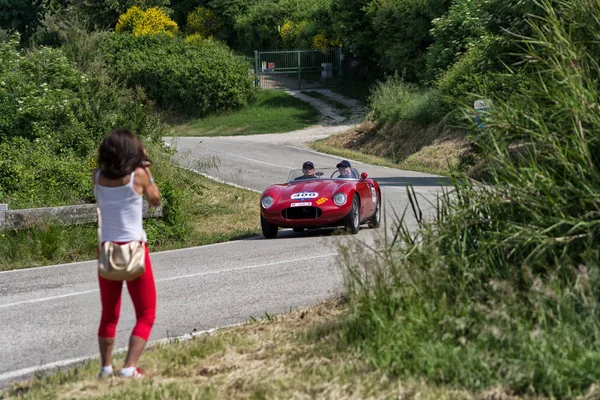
x,y
320,41
151,22
291,32
203,21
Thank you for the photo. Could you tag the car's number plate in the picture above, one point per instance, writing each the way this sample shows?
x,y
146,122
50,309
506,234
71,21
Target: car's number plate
x,y
303,204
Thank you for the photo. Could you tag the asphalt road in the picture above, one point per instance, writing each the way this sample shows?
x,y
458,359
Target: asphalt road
x,y
49,315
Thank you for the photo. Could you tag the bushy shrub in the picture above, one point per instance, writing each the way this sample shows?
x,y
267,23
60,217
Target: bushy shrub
x,y
467,23
52,118
394,35
291,33
256,25
35,174
323,41
198,79
153,21
394,99
501,289
479,73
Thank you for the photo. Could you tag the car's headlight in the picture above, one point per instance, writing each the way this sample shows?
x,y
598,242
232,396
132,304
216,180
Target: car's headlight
x,y
267,202
339,199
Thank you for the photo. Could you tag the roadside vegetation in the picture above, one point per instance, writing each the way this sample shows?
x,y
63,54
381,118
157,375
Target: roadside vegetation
x,y
499,290
496,296
271,111
297,355
198,212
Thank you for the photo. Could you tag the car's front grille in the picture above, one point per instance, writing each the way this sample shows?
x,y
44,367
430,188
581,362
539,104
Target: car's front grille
x,y
301,213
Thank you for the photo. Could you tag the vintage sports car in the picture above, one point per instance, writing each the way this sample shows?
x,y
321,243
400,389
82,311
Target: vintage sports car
x,y
324,200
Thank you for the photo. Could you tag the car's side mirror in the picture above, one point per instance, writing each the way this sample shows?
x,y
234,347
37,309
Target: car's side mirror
x,y
363,175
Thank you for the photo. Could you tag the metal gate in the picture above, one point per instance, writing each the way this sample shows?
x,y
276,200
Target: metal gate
x,y
298,69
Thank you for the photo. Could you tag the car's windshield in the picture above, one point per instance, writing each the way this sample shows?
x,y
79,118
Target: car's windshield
x,y
297,175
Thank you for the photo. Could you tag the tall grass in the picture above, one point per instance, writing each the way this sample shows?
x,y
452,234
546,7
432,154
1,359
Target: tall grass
x,y
394,99
502,288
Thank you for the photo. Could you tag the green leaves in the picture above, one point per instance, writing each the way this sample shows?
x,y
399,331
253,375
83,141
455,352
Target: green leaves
x,y
52,118
197,78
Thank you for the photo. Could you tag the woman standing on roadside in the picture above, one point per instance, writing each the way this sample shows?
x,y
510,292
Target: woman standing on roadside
x,y
120,182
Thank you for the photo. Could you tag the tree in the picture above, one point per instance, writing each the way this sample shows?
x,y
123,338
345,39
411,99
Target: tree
x,y
104,14
23,16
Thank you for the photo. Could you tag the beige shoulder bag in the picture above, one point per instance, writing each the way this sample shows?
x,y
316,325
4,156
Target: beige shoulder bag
x,y
120,262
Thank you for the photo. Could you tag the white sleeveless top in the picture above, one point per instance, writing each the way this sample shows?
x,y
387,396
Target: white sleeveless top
x,y
121,212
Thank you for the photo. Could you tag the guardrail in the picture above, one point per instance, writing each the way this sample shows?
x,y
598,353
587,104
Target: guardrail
x,y
67,215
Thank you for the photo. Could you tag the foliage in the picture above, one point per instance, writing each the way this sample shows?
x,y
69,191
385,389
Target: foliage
x,y
190,78
392,34
257,27
322,41
401,34
104,14
182,8
291,32
173,225
469,22
52,117
479,73
153,21
228,11
203,21
23,16
195,39
504,282
395,99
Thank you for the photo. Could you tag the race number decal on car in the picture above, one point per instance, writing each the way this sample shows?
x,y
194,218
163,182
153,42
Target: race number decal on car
x,y
304,195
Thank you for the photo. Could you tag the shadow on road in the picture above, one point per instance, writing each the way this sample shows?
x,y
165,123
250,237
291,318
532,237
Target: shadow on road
x,y
402,181
286,233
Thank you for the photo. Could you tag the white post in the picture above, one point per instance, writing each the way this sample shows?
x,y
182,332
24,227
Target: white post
x,y
3,210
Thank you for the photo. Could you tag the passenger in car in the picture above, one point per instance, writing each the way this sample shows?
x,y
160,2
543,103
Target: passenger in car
x,y
345,169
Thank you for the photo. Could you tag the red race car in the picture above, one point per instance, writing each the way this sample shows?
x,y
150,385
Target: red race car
x,y
324,199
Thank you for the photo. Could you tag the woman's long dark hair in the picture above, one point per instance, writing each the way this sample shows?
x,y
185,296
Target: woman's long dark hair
x,y
120,153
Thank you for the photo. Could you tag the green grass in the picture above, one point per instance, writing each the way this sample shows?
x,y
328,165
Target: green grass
x,y
272,111
215,213
298,355
407,164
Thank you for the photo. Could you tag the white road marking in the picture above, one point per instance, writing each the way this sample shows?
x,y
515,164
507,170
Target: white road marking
x,y
247,159
62,296
214,178
25,270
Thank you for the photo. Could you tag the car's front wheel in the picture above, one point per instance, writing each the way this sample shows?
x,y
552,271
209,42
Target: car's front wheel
x,y
352,220
375,220
269,230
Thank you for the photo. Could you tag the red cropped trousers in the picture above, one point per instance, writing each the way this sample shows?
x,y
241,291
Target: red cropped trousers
x,y
143,295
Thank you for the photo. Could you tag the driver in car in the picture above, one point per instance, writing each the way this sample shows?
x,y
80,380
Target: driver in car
x,y
308,171
345,169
